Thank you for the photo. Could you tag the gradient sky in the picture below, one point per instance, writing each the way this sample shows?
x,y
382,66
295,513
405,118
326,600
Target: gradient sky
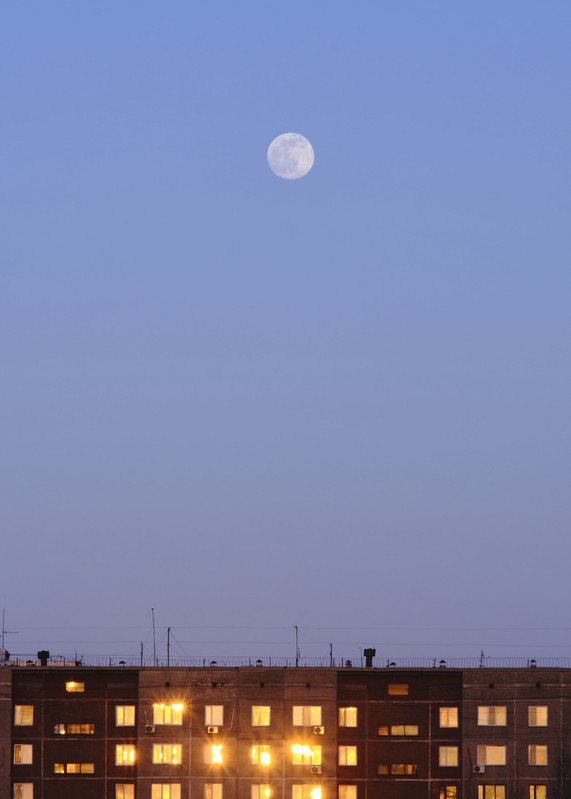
x,y
341,402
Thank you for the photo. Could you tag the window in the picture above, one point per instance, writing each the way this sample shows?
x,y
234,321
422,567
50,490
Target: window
x,y
23,754
383,768
73,687
348,718
398,689
167,714
306,791
213,753
167,753
74,729
261,755
125,715
74,768
448,717
347,792
447,792
213,790
23,717
538,792
537,755
492,716
491,756
306,716
125,791
404,768
165,790
347,756
537,716
491,792
23,790
447,755
303,755
124,754
404,729
260,791
214,716
260,715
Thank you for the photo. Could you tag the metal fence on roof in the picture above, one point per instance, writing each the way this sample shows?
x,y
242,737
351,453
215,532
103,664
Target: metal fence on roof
x,y
67,661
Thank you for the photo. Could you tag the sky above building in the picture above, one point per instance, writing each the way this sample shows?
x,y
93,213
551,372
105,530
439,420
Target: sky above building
x,y
340,402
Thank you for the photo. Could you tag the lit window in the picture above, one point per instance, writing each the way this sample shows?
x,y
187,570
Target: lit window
x,y
167,714
538,792
383,730
125,715
73,687
75,729
347,718
214,715
167,753
74,768
404,768
23,717
213,790
491,756
447,755
23,754
491,792
347,792
213,753
23,790
260,791
447,792
304,755
398,689
404,729
261,755
448,718
383,768
165,790
306,716
124,755
260,715
125,791
538,716
537,755
306,791
347,756
492,716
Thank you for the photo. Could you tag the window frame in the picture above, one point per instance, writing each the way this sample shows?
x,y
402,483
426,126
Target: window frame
x,y
533,710
307,715
259,713
166,749
213,715
491,712
532,755
347,753
125,754
445,752
448,713
348,716
23,716
484,748
24,751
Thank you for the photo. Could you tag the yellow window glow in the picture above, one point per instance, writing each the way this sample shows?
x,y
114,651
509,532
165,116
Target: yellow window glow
x,y
216,753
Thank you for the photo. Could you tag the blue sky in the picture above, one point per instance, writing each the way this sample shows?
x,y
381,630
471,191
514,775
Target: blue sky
x,y
340,402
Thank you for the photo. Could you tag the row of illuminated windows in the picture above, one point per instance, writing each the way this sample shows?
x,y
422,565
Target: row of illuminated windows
x,y
302,754
213,790
302,716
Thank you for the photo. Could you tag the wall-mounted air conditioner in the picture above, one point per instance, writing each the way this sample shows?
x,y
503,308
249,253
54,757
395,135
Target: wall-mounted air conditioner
x,y
477,769
212,730
319,730
316,770
150,728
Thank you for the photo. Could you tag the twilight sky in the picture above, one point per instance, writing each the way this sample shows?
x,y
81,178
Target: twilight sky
x,y
341,402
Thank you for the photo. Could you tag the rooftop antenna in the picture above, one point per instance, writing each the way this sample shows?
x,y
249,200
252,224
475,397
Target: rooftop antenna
x,y
297,654
154,638
6,632
168,646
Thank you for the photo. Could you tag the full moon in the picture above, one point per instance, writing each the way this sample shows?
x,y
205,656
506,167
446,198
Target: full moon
x,y
290,156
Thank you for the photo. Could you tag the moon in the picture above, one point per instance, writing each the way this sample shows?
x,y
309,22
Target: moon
x,y
290,156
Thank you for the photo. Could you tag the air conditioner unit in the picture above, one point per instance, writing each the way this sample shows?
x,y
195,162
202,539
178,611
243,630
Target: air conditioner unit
x,y
316,770
150,728
212,730
478,769
319,730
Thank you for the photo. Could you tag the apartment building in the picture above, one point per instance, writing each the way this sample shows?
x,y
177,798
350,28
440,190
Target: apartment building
x,y
284,733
